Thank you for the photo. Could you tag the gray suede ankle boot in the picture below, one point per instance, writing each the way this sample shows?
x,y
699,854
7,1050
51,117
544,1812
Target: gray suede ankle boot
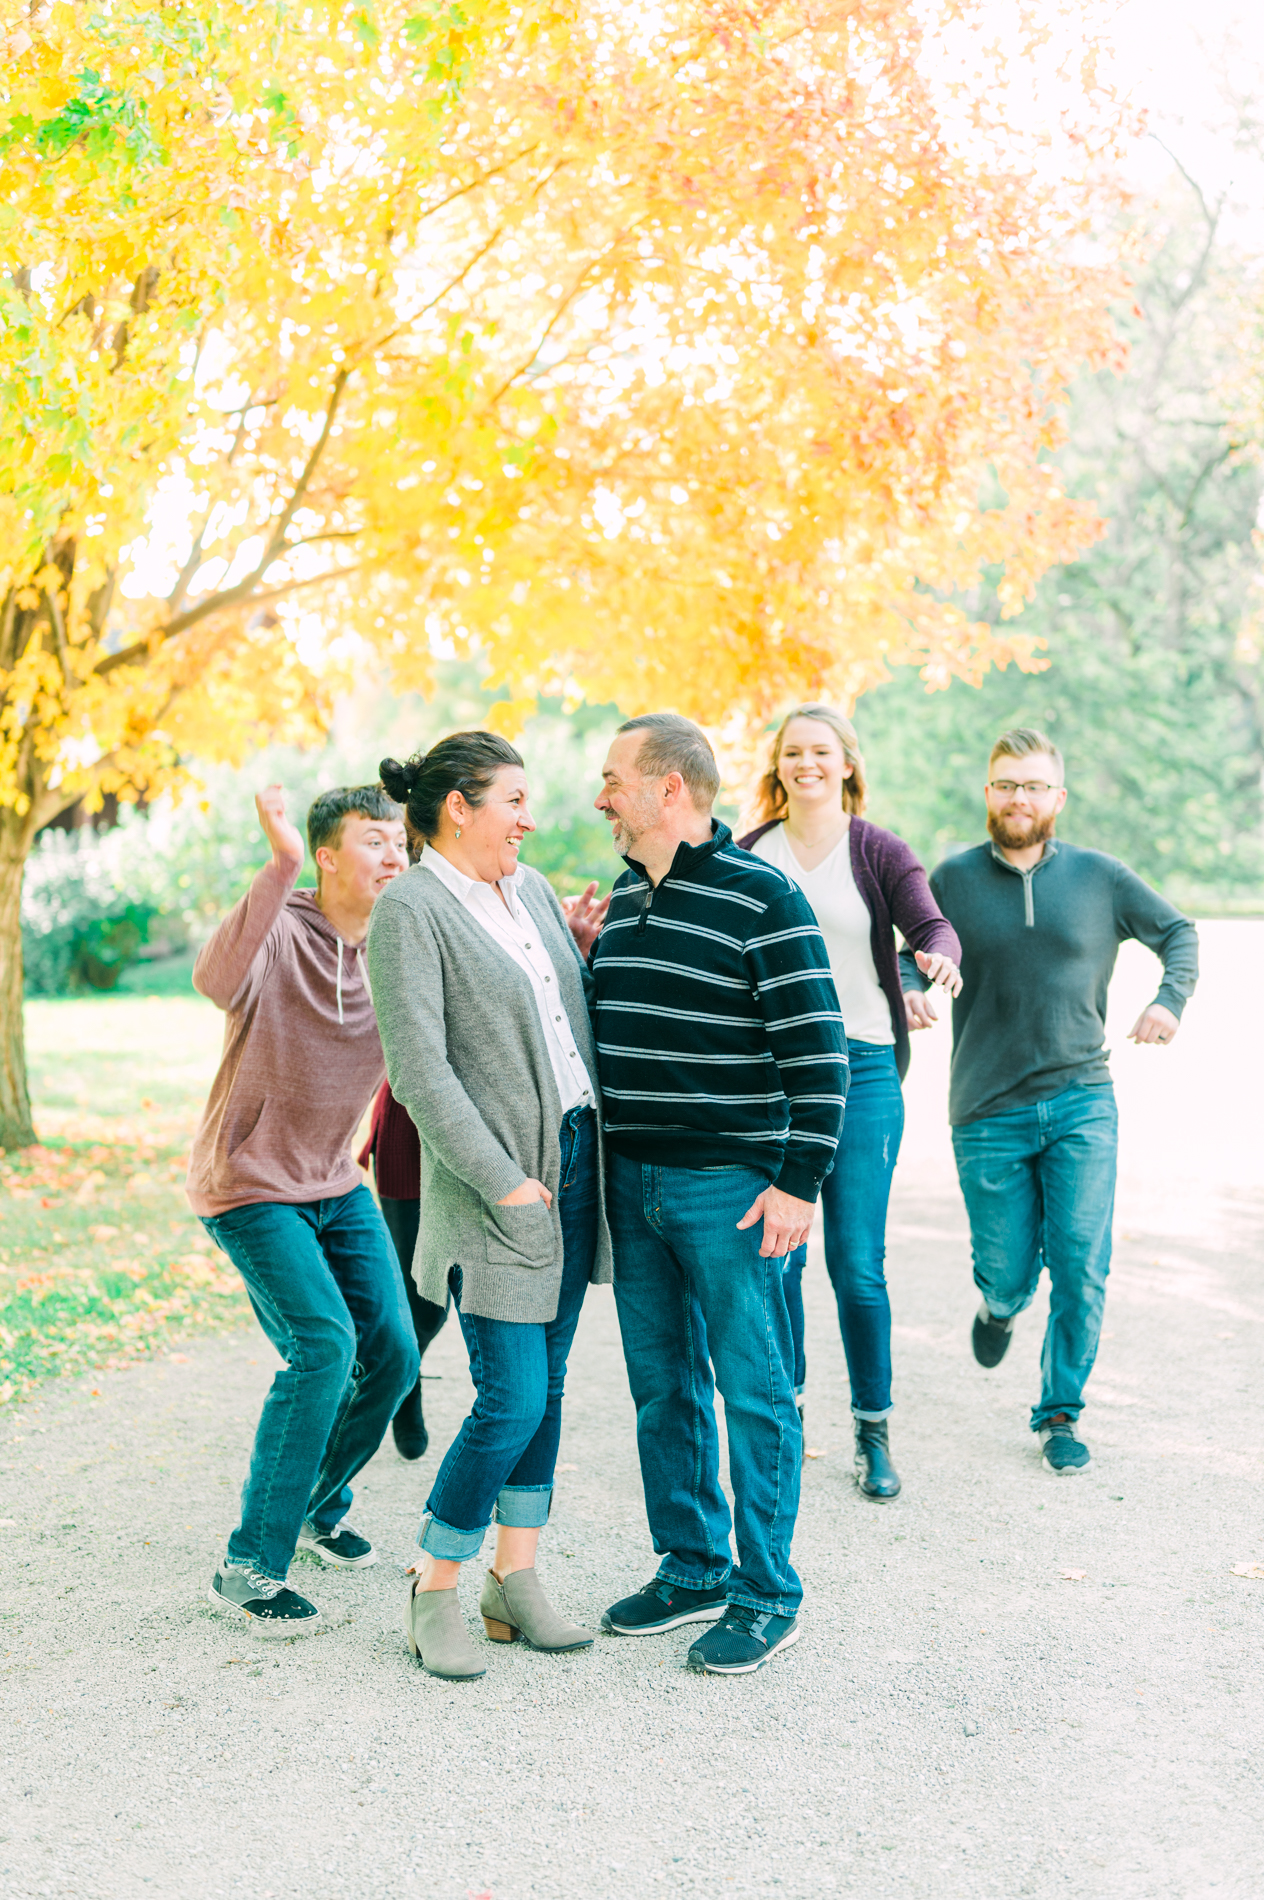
x,y
438,1637
519,1607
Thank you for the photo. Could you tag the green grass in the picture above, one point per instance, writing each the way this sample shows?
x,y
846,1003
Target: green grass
x,y
101,1262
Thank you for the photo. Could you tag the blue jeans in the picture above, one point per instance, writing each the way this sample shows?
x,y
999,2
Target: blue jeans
x,y
854,1196
501,1461
1039,1187
324,1283
693,1294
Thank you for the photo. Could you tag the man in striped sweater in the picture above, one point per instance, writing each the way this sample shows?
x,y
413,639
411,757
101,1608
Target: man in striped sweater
x,y
723,1067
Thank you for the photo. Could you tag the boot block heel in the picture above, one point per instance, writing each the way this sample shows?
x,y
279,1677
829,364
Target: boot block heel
x,y
499,1632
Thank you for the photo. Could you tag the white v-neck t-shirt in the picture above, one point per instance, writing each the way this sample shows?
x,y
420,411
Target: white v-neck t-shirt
x,y
845,924
511,926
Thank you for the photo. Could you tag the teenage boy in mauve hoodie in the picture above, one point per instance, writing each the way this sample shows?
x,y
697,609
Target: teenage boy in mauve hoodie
x,y
272,1177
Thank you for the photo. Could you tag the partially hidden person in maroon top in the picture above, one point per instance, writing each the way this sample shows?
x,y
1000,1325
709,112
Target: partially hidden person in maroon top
x,y
395,1151
864,884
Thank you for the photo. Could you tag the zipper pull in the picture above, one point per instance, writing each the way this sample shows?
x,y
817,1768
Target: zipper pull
x,y
645,911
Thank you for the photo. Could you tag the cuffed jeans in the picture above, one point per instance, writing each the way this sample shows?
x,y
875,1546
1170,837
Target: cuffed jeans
x,y
694,1294
854,1197
501,1461
1039,1188
323,1280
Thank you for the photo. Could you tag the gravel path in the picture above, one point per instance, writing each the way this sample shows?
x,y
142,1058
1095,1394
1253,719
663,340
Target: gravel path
x,y
958,1719
961,1718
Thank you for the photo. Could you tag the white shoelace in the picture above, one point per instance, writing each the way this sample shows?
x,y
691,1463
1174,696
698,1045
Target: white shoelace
x,y
262,1586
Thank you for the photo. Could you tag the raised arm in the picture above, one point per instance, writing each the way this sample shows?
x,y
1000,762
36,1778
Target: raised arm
x,y
239,949
406,977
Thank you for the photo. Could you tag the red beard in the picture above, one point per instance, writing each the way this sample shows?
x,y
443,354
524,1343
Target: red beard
x,y
1014,837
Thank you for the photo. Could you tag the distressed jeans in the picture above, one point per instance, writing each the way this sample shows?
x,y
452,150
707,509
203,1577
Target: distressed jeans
x,y
326,1289
1039,1188
699,1308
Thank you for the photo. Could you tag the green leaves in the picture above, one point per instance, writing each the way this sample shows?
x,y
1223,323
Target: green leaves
x,y
107,123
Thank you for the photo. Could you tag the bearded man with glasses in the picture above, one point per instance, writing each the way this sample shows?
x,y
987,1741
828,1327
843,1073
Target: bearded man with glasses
x,y
1034,1127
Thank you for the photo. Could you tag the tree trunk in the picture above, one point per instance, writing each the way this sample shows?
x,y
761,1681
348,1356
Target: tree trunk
x,y
16,1128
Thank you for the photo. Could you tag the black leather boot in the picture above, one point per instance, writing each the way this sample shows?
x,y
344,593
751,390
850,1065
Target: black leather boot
x,y
409,1428
875,1474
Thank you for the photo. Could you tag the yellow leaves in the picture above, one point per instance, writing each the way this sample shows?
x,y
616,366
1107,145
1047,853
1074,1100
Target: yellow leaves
x,y
660,380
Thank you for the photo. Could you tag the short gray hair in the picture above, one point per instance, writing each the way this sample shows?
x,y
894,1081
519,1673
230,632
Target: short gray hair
x,y
675,744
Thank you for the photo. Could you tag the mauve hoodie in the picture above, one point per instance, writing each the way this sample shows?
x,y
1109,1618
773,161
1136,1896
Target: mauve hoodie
x,y
301,1060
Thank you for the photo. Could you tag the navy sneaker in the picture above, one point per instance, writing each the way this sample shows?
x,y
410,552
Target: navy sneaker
x,y
663,1606
340,1547
1064,1450
262,1601
990,1337
743,1641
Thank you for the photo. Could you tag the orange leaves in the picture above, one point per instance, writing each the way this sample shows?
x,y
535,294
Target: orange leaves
x,y
663,357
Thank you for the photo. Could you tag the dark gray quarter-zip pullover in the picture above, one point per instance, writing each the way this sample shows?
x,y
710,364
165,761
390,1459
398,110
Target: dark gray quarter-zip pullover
x,y
1037,951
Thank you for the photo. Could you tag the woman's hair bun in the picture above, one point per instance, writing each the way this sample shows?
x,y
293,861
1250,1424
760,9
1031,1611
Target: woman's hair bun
x,y
398,780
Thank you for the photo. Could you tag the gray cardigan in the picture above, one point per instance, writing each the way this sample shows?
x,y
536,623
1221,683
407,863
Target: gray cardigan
x,y
466,1055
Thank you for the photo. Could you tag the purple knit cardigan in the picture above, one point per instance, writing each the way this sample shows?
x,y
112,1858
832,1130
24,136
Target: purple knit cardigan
x,y
893,884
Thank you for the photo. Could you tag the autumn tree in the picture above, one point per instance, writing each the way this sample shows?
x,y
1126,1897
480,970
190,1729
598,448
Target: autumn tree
x,y
699,356
1155,685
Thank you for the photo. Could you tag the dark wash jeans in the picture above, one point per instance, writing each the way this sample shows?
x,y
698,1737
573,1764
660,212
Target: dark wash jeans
x,y
693,1294
854,1197
501,1461
1039,1188
324,1283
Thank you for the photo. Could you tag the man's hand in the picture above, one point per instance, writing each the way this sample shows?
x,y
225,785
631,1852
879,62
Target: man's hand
x,y
787,1222
585,916
919,1009
287,845
1155,1024
526,1192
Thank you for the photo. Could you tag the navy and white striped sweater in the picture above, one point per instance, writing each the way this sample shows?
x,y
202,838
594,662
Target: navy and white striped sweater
x,y
719,1036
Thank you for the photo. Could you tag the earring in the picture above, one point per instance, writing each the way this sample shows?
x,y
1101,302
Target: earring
x,y
458,831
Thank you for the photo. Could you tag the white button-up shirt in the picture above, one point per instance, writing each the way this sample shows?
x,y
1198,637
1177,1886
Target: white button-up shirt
x,y
515,930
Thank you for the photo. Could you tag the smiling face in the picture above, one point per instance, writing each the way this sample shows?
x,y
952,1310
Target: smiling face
x,y
1018,817
630,803
491,832
369,852
812,765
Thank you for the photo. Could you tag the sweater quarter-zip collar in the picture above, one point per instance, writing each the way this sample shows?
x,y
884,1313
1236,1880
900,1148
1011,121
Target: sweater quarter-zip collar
x,y
688,860
1029,907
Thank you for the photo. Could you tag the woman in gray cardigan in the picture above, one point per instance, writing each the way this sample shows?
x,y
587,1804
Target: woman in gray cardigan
x,y
480,997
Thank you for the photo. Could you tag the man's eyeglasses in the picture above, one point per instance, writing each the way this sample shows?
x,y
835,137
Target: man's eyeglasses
x,y
1034,787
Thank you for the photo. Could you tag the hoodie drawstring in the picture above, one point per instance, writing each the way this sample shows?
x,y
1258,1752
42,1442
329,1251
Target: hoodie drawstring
x,y
364,975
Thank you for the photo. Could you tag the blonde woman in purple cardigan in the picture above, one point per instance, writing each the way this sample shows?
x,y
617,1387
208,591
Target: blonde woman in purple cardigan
x,y
864,883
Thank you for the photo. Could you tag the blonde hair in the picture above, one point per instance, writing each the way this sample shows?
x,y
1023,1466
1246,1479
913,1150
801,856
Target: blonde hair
x,y
773,802
1021,742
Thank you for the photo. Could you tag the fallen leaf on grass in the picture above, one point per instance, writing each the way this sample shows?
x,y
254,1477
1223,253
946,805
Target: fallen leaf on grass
x,y
566,1467
1247,1570
812,1452
1073,1576
177,1358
